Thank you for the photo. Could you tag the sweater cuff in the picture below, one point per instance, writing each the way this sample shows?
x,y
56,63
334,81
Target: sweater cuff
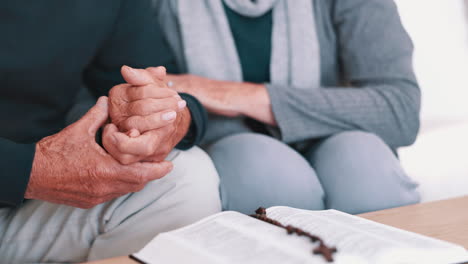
x,y
15,170
286,123
197,128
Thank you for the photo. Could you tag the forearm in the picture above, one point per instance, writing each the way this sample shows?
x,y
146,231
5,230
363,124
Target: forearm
x,y
389,110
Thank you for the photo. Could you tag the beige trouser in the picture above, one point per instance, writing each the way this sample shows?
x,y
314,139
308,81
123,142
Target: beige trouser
x,y
42,232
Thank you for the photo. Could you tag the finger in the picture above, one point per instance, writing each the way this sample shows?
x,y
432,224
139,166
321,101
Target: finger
x,y
150,91
136,77
95,117
110,144
150,106
148,171
84,201
144,145
88,202
149,122
158,73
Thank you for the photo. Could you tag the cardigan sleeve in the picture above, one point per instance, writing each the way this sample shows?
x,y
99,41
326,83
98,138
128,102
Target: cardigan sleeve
x,y
383,96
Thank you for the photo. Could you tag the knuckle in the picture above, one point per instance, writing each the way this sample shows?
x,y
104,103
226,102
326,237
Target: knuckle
x,y
151,149
150,121
154,142
117,90
114,91
101,170
140,178
147,150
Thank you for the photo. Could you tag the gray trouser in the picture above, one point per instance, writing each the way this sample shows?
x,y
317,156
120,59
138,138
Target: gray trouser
x,y
50,233
351,171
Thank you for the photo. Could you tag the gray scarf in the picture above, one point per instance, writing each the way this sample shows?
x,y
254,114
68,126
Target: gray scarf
x,y
210,50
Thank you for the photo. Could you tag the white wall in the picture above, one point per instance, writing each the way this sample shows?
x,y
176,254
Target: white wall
x,y
440,34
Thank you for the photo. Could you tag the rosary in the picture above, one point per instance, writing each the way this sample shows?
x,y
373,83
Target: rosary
x,y
321,249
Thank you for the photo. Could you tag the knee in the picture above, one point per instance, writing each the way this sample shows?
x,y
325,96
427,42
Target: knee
x,y
187,194
352,141
197,182
355,150
359,172
257,170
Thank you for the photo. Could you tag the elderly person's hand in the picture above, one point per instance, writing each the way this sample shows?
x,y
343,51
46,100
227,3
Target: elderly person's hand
x,y
214,95
71,168
148,119
226,98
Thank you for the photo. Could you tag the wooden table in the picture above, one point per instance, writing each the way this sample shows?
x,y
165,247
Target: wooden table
x,y
446,220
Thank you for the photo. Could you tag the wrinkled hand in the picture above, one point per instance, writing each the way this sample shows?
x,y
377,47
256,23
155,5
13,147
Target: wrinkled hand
x,y
71,168
148,119
144,103
217,96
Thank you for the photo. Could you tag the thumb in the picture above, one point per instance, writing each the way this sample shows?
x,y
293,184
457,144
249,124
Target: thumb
x,y
96,116
137,77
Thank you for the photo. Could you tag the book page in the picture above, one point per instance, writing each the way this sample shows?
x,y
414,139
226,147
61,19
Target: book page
x,y
373,241
232,237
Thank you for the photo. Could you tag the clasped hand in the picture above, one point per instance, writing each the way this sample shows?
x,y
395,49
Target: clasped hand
x,y
147,121
146,117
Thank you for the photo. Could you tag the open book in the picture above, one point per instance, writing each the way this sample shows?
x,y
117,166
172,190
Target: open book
x,y
231,237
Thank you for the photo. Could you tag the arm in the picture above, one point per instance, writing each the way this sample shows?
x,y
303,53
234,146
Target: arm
x,y
15,168
62,168
376,56
137,41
